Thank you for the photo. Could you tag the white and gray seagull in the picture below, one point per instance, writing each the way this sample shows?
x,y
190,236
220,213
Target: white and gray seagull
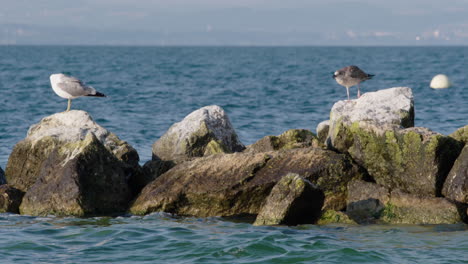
x,y
350,76
69,87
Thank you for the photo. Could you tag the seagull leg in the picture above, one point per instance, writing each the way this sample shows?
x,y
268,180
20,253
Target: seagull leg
x,y
69,105
358,91
347,91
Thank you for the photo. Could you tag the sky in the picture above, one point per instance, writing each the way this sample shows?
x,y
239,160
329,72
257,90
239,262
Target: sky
x,y
239,22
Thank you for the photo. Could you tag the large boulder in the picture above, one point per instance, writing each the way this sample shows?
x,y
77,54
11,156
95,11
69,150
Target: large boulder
x,y
293,138
292,201
238,184
372,203
69,165
10,199
375,111
203,132
456,184
372,131
2,176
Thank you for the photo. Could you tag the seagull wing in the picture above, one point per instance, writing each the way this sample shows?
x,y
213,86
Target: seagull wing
x,y
73,86
357,73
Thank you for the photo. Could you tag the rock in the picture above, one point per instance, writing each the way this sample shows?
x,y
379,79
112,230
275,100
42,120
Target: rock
x,y
203,132
461,134
155,168
399,159
334,217
406,208
238,184
456,184
10,199
69,165
50,134
366,201
322,130
79,178
375,111
440,81
292,201
2,176
293,138
370,130
373,203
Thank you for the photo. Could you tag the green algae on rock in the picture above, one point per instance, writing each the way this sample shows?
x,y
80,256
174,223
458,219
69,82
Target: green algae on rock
x,y
292,201
415,160
69,165
372,131
335,217
461,134
203,132
372,203
238,183
293,138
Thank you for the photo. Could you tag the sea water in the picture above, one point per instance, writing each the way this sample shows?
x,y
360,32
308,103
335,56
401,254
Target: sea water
x,y
264,91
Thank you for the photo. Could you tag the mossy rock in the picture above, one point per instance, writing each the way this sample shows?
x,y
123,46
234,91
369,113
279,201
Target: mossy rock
x,y
293,138
415,160
461,134
335,217
406,208
238,183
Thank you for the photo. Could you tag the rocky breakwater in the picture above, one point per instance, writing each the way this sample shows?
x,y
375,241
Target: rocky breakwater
x,y
70,165
407,165
221,183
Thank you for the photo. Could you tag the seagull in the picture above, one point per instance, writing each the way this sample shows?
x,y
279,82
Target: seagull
x,y
350,76
69,87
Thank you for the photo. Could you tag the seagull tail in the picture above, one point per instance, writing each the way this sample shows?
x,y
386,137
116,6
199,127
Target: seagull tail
x,y
97,94
369,76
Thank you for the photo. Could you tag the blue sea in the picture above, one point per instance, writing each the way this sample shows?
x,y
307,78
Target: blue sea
x,y
265,91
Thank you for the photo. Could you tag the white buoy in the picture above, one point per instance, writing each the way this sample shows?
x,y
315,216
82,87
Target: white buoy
x,y
440,81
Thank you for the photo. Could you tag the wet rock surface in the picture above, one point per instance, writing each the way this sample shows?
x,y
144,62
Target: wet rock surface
x,y
292,201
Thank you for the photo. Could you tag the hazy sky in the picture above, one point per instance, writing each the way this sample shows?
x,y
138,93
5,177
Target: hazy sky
x,y
326,20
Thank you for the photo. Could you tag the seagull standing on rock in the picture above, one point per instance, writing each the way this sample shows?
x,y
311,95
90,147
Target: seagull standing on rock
x,y
350,76
69,87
